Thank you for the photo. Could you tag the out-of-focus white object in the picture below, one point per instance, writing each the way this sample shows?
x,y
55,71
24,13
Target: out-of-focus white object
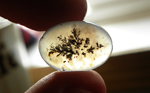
x,y
109,11
13,76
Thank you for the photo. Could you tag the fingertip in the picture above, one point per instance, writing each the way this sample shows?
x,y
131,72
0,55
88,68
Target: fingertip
x,y
62,82
42,15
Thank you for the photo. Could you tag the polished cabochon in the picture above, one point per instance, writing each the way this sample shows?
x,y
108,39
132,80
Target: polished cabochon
x,y
75,46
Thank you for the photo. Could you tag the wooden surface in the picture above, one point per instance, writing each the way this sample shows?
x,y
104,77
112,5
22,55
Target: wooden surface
x,y
127,72
122,74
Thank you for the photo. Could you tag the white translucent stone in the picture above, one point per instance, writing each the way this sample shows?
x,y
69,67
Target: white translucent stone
x,y
75,46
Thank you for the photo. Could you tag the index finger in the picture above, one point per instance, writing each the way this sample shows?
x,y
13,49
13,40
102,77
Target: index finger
x,y
42,14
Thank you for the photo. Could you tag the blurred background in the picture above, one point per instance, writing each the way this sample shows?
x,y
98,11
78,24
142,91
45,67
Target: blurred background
x,y
128,68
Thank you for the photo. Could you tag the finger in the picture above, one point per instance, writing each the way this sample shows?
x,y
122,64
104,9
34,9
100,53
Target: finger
x,y
70,82
42,14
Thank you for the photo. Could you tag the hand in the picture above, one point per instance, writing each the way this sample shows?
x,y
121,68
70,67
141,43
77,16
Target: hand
x,y
41,15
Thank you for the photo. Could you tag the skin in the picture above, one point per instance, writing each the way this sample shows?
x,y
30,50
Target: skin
x,y
70,82
41,15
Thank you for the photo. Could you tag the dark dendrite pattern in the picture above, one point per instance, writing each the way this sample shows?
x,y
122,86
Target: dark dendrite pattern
x,y
71,45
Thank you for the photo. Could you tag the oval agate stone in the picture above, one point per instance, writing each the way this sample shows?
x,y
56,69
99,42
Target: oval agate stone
x,y
75,46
